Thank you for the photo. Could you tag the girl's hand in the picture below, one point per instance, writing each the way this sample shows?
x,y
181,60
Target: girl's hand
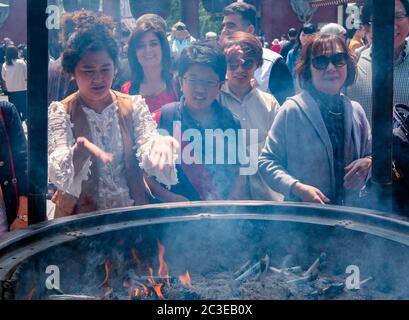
x,y
234,55
162,153
21,220
96,151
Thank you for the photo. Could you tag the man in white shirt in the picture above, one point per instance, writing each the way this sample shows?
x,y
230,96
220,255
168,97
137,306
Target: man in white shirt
x,y
179,39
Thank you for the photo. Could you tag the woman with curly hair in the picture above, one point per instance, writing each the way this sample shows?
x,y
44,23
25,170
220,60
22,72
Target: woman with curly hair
x,y
150,61
101,142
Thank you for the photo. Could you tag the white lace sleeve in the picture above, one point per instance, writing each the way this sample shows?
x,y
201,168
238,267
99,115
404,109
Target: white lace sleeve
x,y
61,145
145,134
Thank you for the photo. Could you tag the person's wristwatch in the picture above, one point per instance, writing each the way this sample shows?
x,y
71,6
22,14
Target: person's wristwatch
x,y
23,217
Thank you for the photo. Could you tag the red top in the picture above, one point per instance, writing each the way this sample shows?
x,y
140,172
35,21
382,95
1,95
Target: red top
x,y
276,48
154,102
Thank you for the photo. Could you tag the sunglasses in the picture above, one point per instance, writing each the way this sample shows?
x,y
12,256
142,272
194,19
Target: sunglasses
x,y
246,65
322,62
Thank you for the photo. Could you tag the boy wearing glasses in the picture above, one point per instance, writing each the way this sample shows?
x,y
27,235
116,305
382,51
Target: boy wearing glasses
x,y
254,108
207,165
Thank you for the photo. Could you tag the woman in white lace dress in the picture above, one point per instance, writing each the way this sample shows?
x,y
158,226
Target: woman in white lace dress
x,y
103,144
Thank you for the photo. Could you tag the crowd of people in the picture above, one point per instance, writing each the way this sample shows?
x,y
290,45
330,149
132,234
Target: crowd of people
x,y
165,117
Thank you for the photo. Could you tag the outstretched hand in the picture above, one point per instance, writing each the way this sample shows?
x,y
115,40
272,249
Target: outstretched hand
x,y
356,173
309,193
96,151
162,153
234,54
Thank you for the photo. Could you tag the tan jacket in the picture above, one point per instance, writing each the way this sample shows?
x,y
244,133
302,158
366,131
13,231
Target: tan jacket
x,y
67,204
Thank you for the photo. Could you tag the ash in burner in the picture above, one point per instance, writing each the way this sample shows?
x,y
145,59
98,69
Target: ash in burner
x,y
252,281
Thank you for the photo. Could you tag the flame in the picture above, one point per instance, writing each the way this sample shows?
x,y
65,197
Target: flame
x,y
31,293
163,267
153,286
136,257
107,266
185,280
145,289
163,270
151,280
157,290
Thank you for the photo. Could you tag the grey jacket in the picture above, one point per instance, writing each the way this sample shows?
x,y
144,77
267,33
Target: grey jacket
x,y
298,147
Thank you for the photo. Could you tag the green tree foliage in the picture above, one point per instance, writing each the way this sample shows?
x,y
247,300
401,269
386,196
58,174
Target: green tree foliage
x,y
208,22
174,15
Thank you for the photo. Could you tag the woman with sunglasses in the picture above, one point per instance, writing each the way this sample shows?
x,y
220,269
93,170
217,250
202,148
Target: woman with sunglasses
x,y
318,149
254,108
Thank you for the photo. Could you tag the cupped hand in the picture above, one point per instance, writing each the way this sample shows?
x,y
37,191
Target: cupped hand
x,y
163,152
96,151
356,173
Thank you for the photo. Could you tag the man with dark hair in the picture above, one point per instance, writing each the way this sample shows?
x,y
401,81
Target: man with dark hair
x,y
273,76
292,35
246,11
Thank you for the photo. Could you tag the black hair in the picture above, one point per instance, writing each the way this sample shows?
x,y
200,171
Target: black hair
x,y
11,54
307,28
93,33
124,30
292,32
206,54
405,4
247,11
